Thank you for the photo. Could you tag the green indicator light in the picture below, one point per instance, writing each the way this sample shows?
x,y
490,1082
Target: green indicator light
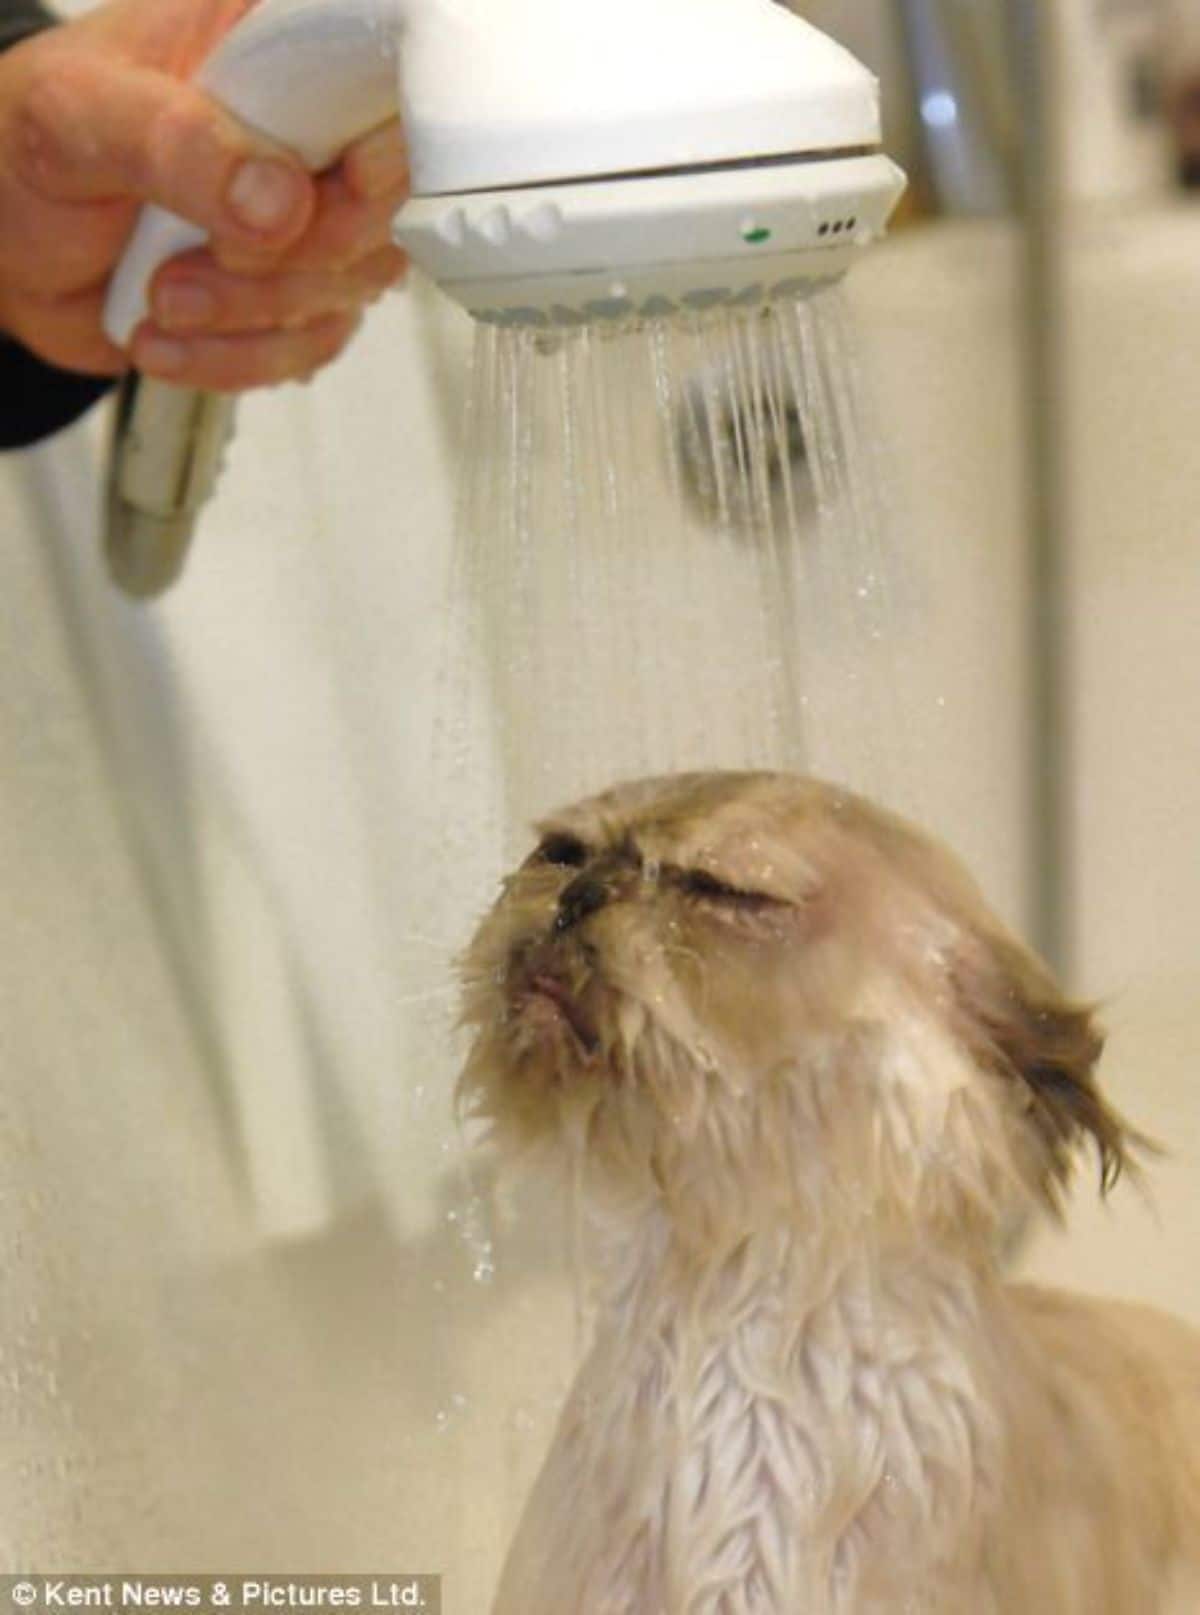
x,y
754,236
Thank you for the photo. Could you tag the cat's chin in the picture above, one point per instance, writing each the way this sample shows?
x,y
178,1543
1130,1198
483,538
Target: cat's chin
x,y
548,1008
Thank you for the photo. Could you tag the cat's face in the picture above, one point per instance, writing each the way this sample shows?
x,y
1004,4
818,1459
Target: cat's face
x,y
751,991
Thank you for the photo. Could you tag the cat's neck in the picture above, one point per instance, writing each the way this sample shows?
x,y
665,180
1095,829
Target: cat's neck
x,y
839,1384
642,1263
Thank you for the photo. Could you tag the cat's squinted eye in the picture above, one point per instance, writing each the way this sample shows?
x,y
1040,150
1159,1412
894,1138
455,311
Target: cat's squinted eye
x,y
564,851
699,883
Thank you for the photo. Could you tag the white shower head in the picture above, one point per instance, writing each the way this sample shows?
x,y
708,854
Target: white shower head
x,y
572,162
638,158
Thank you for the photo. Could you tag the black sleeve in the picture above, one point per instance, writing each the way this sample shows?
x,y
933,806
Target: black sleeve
x,y
36,398
21,17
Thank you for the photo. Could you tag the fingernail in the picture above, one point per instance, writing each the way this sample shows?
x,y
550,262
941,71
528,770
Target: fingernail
x,y
159,355
184,305
264,194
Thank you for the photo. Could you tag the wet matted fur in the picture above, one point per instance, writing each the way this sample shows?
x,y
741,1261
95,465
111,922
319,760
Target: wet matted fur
x,y
802,1076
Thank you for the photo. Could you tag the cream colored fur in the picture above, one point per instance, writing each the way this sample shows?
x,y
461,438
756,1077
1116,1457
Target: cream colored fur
x,y
801,1076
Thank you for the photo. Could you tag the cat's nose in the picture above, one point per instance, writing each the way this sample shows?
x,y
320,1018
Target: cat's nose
x,y
582,897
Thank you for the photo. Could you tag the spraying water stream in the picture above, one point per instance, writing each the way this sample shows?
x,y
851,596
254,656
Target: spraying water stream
x,y
671,545
671,553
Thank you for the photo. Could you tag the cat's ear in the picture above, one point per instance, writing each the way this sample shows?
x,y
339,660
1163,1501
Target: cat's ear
x,y
1019,1025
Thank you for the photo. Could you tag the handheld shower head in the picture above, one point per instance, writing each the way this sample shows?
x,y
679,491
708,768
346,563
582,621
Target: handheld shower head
x,y
576,164
639,160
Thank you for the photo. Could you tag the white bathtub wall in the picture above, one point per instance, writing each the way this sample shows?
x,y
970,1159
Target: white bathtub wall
x,y
241,1329
1135,564
937,312
149,1352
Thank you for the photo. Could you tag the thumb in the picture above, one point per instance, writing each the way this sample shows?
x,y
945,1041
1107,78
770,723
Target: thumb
x,y
97,128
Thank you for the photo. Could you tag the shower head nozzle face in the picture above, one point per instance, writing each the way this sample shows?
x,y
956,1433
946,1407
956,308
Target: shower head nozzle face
x,y
644,245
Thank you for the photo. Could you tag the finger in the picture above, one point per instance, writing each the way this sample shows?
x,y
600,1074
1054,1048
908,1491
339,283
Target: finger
x,y
238,363
377,165
93,129
66,332
343,230
193,294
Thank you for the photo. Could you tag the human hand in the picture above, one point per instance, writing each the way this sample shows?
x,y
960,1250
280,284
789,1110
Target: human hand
x,y
96,118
